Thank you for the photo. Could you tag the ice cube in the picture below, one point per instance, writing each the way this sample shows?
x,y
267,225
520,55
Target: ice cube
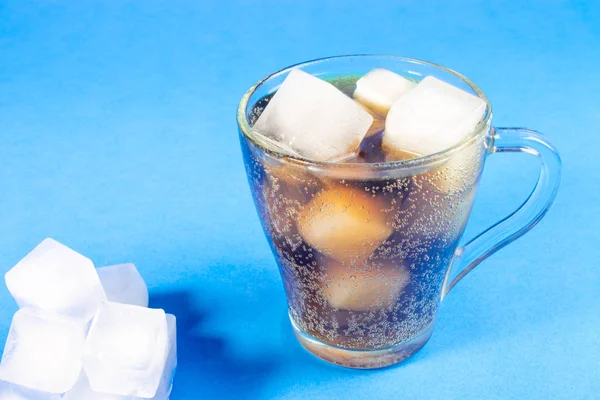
x,y
43,351
280,146
9,391
166,381
432,117
368,288
83,390
380,88
124,284
54,278
126,349
314,118
344,223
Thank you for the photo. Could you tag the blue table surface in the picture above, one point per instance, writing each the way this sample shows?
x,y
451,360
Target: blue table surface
x,y
118,138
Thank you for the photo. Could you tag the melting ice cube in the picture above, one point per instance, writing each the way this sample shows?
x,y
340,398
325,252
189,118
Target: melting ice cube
x,y
126,350
344,223
369,288
54,278
314,118
380,88
124,284
43,351
433,117
9,391
83,390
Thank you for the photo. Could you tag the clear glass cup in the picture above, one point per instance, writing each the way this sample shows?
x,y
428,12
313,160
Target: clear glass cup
x,y
367,251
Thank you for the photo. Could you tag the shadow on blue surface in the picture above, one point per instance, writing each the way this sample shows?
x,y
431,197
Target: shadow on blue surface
x,y
206,367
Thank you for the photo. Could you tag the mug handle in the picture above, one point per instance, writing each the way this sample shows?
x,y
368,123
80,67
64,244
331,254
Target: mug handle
x,y
512,140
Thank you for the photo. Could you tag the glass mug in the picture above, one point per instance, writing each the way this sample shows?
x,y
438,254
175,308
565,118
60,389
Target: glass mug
x,y
367,251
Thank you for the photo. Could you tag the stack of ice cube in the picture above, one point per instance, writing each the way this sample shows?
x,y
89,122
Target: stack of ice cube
x,y
83,333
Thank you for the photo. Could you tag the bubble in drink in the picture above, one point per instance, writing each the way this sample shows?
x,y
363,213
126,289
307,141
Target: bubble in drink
x,y
54,278
43,351
126,350
123,283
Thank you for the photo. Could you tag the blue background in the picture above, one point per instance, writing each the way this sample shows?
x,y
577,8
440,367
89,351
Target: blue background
x,y
118,138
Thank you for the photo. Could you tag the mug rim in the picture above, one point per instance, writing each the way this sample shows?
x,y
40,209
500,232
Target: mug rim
x,y
265,144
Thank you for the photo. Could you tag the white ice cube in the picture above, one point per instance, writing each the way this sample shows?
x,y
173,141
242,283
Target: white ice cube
x,y
431,118
124,284
54,278
369,288
83,391
380,88
314,118
43,351
166,381
9,391
126,350
344,223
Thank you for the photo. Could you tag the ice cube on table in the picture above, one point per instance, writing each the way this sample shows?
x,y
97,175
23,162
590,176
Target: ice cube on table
x,y
123,283
432,117
83,391
344,223
166,381
43,351
126,350
9,391
314,118
369,288
54,278
379,88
